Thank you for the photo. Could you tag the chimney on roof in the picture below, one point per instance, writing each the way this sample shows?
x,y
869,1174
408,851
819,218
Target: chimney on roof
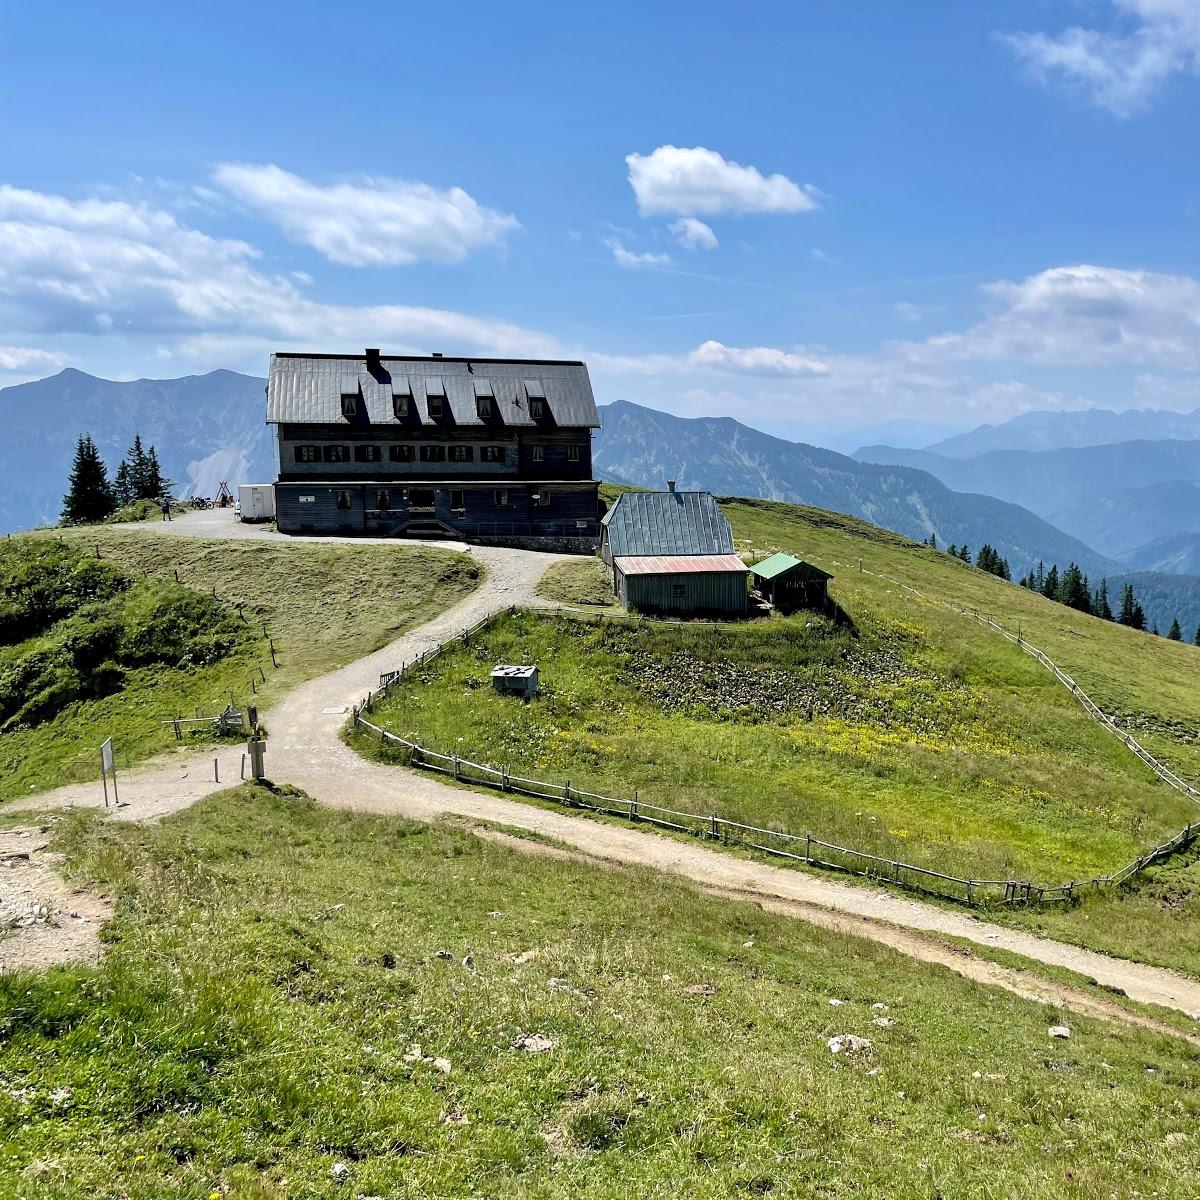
x,y
670,485
372,359
437,354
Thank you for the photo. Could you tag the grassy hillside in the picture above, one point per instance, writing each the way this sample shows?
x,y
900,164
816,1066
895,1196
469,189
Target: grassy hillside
x,y
1148,682
964,751
262,1017
324,606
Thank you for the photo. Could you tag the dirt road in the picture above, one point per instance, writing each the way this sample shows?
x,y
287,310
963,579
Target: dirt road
x,y
305,749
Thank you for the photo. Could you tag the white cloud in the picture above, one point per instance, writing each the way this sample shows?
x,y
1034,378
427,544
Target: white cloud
x,y
715,356
1081,316
908,312
27,358
633,261
692,234
1120,71
678,181
89,266
819,255
371,222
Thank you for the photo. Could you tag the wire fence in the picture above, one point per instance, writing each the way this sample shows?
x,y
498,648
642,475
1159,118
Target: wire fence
x,y
796,847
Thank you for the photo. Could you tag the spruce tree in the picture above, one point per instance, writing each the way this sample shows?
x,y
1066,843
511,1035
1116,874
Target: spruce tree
x,y
1175,633
952,550
1198,635
1127,605
1101,606
964,553
1139,617
156,485
123,485
1050,583
133,466
89,495
1039,582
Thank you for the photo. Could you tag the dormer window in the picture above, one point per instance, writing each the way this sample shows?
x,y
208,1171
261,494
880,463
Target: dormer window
x,y
536,395
485,399
349,396
401,398
435,398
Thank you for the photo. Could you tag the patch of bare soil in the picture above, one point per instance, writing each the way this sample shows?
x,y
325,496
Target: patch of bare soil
x,y
44,922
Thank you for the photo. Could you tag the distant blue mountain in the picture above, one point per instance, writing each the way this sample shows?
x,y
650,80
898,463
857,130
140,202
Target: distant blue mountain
x,y
1071,430
718,454
206,428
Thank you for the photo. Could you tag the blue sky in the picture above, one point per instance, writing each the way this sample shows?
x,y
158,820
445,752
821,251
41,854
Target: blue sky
x,y
811,216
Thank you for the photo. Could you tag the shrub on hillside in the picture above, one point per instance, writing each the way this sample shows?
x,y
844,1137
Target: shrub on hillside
x,y
42,581
85,625
135,510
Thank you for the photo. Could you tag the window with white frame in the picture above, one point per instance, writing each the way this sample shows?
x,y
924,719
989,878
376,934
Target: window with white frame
x,y
492,454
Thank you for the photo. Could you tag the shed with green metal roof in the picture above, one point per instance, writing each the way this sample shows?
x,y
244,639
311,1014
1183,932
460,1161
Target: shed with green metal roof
x,y
787,582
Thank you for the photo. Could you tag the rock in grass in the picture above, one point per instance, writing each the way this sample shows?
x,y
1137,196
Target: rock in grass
x,y
700,989
850,1043
533,1043
339,1172
1059,1031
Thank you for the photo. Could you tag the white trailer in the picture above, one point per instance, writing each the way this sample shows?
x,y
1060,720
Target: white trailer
x,y
256,501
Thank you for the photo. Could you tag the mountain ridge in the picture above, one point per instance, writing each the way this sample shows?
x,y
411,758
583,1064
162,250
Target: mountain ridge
x,y
719,454
1047,429
205,427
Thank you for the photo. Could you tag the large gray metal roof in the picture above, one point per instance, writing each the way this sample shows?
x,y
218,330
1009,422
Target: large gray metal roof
x,y
667,523
308,389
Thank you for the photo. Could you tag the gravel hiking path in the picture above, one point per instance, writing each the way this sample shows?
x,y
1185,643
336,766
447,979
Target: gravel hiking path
x,y
305,749
43,920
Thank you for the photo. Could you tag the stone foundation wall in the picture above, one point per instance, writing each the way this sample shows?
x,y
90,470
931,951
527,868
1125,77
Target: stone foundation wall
x,y
550,545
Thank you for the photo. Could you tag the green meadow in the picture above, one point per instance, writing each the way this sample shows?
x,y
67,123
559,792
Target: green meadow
x,y
209,607
303,1003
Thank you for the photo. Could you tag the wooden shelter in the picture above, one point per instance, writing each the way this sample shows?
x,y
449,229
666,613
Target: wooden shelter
x,y
672,552
788,583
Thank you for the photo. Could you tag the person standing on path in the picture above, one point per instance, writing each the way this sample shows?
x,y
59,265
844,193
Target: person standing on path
x,y
165,504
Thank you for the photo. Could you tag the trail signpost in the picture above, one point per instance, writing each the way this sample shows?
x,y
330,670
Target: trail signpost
x,y
108,768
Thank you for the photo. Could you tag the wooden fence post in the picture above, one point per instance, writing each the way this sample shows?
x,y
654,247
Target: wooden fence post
x,y
716,833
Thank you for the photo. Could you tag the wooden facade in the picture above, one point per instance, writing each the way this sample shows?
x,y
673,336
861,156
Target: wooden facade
x,y
788,583
696,585
672,552
481,449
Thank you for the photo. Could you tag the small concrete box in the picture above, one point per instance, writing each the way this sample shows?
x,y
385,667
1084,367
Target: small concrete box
x,y
516,681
